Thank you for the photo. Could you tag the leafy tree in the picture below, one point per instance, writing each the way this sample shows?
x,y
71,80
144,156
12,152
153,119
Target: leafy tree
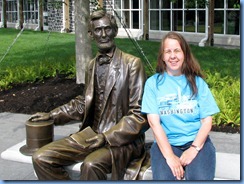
x,y
192,3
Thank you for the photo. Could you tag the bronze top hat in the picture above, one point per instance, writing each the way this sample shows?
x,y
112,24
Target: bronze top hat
x,y
38,134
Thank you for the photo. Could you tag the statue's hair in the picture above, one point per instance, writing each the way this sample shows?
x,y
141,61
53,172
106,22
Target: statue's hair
x,y
100,14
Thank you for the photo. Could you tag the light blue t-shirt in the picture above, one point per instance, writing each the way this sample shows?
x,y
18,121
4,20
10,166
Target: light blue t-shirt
x,y
180,112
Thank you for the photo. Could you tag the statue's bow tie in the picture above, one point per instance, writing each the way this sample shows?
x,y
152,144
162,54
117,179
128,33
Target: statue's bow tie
x,y
104,59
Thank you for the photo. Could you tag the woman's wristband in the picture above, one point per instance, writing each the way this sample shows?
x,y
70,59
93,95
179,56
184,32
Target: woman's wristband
x,y
196,147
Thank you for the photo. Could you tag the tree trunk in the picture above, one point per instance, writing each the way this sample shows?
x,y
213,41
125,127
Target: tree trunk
x,y
21,15
145,20
4,13
83,42
40,12
211,23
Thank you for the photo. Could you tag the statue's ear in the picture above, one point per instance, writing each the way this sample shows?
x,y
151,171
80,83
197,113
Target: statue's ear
x,y
90,34
116,33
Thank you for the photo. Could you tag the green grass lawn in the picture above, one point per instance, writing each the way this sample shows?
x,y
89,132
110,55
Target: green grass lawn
x,y
37,55
34,48
50,50
221,60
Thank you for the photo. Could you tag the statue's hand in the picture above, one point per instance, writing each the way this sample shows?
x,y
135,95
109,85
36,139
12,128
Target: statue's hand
x,y
96,141
40,116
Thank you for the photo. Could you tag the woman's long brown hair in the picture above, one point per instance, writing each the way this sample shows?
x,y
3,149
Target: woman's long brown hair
x,y
190,67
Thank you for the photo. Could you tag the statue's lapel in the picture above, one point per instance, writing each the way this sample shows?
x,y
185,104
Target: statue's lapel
x,y
113,75
90,88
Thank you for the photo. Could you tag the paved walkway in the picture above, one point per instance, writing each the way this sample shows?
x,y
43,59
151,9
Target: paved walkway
x,y
13,131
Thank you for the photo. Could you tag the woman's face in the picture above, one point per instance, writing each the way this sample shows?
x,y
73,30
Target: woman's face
x,y
173,57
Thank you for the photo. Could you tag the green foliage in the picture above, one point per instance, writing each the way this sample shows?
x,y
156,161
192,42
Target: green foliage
x,y
35,56
38,55
224,61
237,6
236,3
23,74
194,3
56,4
226,91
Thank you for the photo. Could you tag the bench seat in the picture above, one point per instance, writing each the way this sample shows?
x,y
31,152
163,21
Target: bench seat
x,y
225,162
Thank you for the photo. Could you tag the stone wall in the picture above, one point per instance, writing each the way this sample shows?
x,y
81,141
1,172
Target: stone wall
x,y
55,17
72,15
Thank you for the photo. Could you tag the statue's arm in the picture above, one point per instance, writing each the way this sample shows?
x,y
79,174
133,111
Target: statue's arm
x,y
73,110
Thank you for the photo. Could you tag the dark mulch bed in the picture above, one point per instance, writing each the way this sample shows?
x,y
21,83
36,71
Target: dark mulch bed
x,y
39,96
51,93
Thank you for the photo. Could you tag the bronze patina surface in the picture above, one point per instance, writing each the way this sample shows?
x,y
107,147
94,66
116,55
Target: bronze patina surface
x,y
37,135
110,107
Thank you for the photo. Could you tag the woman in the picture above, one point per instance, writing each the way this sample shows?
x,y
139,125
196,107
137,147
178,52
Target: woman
x,y
179,106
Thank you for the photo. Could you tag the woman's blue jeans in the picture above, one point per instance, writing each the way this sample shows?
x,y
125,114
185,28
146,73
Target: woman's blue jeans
x,y
201,168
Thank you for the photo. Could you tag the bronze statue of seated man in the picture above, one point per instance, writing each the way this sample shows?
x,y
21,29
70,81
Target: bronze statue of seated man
x,y
110,106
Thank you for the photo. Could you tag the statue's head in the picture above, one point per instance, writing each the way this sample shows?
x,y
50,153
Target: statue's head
x,y
103,29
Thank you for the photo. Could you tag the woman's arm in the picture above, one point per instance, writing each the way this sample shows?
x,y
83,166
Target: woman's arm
x,y
203,132
172,160
187,157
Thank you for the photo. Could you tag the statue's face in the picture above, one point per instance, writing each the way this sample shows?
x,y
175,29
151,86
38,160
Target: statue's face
x,y
103,34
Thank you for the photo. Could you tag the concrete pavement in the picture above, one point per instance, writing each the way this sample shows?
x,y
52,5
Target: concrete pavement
x,y
13,131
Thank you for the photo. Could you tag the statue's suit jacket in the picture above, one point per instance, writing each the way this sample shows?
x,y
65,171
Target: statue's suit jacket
x,y
122,122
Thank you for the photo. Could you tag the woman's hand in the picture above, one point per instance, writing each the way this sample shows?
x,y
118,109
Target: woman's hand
x,y
187,156
175,165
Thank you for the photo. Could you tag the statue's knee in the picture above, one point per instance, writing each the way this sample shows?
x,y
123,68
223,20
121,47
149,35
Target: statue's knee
x,y
88,164
37,157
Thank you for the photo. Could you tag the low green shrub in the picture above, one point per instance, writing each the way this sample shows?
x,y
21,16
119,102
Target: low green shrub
x,y
23,74
52,54
226,91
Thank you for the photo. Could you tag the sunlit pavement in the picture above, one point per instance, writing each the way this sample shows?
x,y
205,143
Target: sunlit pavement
x,y
13,132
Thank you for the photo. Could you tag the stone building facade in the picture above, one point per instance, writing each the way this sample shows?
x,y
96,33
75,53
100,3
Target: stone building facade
x,y
152,18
